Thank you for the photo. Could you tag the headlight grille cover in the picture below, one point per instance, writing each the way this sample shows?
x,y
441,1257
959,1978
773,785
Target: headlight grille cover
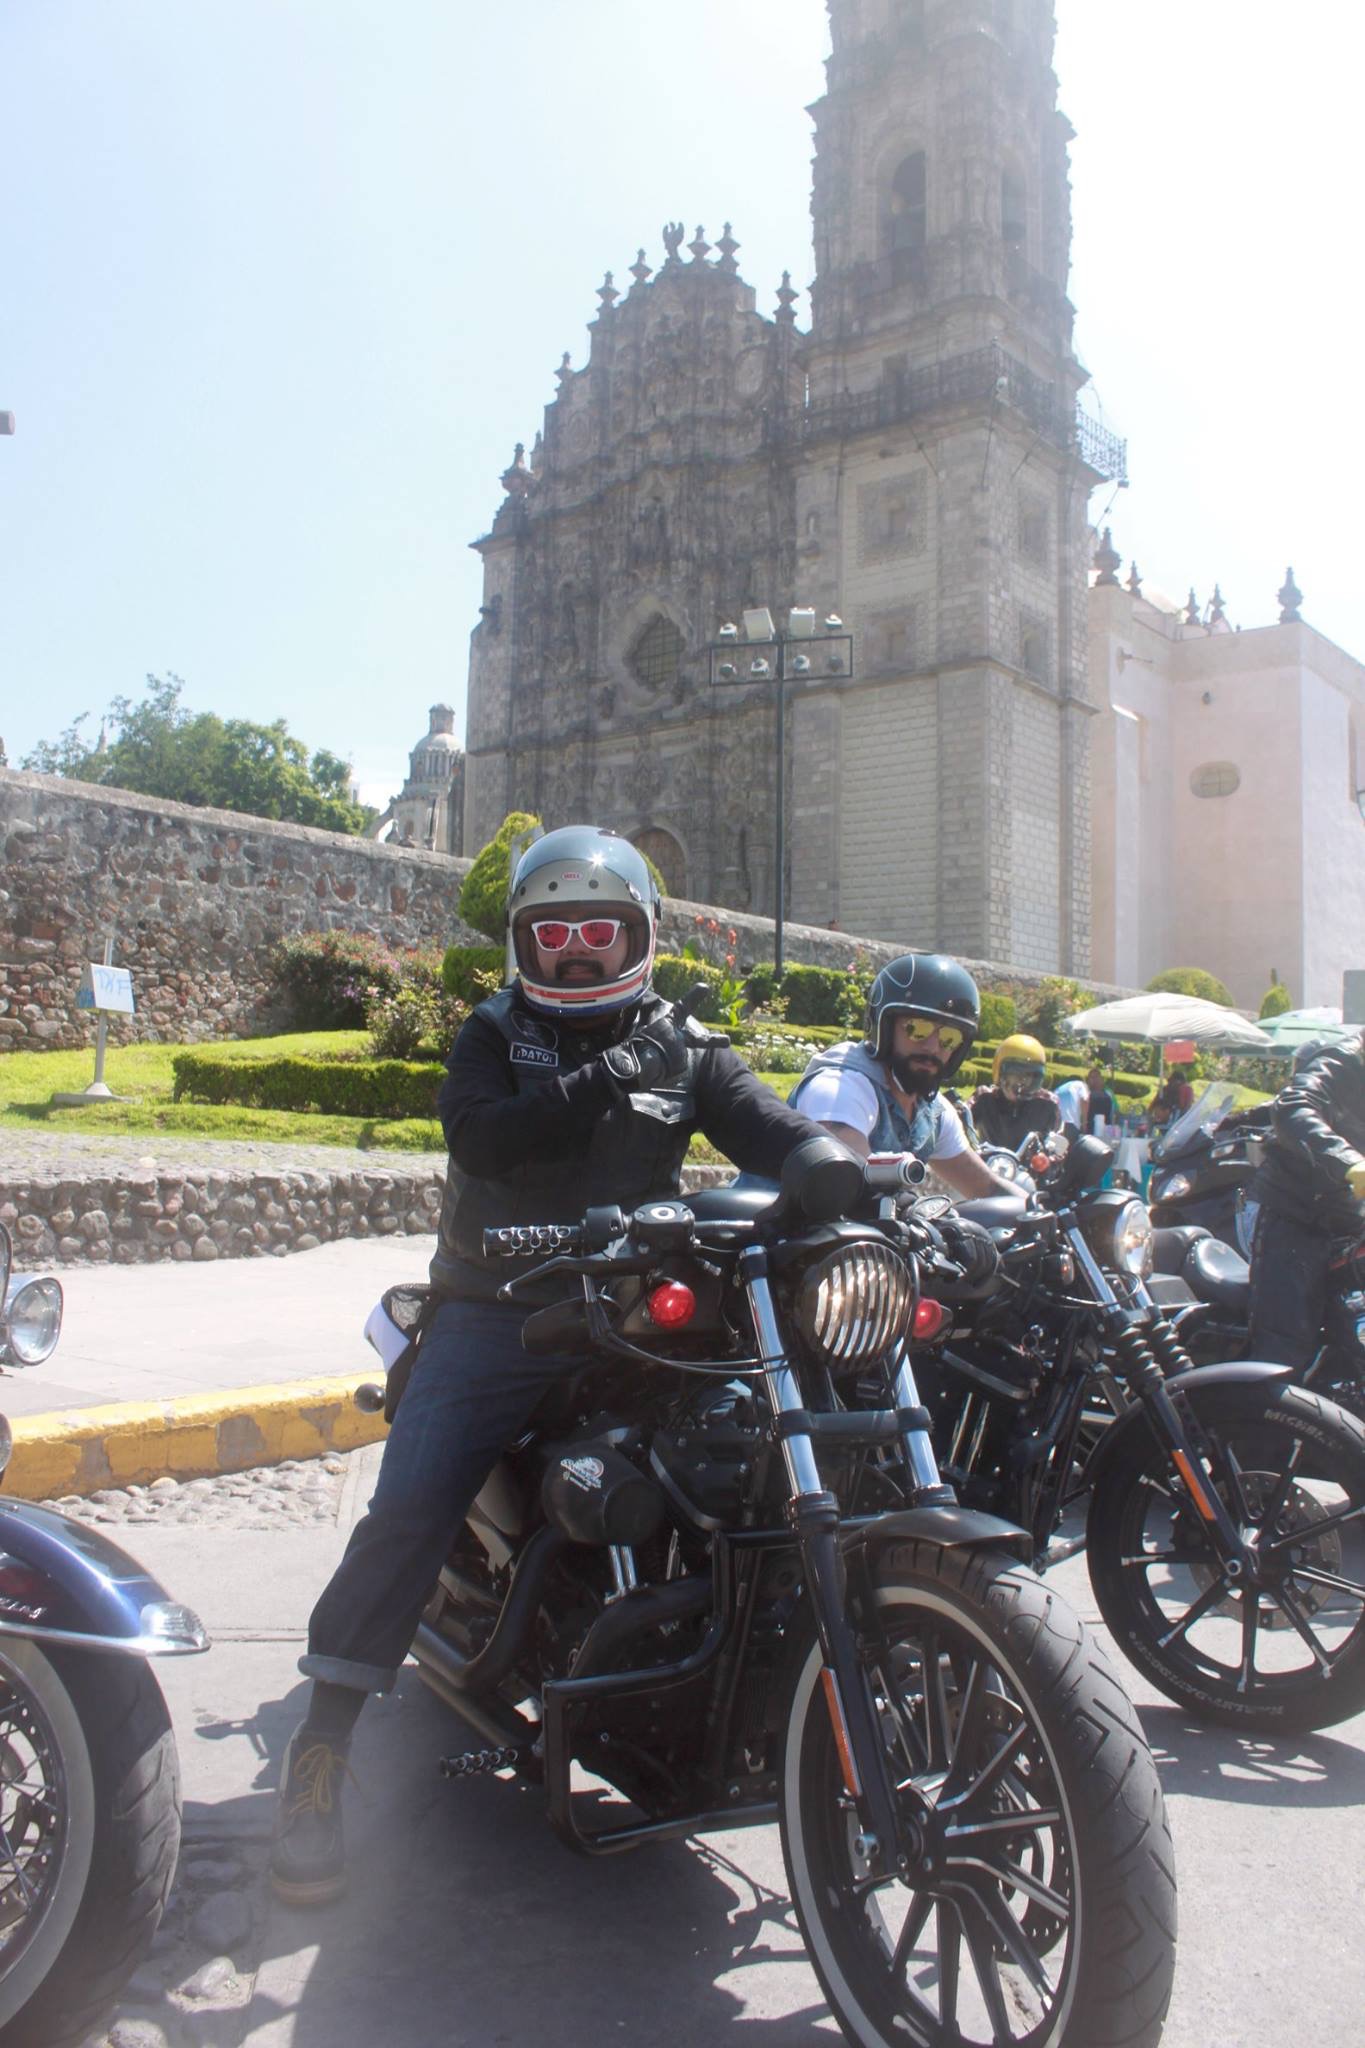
x,y
856,1302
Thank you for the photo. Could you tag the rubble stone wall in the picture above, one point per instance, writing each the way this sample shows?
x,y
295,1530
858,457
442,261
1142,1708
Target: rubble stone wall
x,y
132,1217
196,900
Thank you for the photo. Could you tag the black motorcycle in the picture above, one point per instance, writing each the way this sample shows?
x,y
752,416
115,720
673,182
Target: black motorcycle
x,y
665,1581
1225,1518
89,1783
1205,1288
1203,1166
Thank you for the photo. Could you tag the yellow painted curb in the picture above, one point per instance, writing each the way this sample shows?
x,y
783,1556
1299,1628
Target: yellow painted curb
x,y
130,1443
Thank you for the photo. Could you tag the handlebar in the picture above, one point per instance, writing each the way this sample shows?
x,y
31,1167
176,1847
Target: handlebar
x,y
534,1240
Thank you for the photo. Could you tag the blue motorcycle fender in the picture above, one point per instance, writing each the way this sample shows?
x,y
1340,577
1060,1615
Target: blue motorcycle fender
x,y
62,1582
954,1527
1236,1372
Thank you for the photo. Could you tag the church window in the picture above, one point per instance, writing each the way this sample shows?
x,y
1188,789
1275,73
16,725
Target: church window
x,y
908,213
1013,210
1216,778
893,518
656,657
1034,649
1033,529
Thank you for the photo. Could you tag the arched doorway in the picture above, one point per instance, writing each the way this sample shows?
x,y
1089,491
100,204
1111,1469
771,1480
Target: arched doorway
x,y
668,857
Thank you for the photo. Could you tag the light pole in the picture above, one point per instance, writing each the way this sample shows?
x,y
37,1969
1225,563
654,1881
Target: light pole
x,y
767,653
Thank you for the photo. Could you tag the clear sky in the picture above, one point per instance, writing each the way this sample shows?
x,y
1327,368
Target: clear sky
x,y
284,281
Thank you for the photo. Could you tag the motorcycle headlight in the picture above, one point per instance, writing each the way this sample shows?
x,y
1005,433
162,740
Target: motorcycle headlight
x,y
32,1320
1124,1239
1173,1188
854,1304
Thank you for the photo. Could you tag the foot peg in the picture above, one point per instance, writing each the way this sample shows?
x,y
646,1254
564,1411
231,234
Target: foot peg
x,y
478,1763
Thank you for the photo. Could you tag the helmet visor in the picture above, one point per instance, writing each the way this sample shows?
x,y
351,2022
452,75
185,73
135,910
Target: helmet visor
x,y
1021,1077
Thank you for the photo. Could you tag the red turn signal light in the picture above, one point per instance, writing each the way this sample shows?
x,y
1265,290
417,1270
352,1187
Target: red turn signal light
x,y
671,1305
1039,1163
930,1317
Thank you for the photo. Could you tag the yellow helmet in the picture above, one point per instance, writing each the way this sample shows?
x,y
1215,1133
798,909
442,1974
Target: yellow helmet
x,y
1020,1064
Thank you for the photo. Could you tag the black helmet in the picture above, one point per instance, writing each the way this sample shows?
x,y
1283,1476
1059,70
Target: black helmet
x,y
924,985
582,868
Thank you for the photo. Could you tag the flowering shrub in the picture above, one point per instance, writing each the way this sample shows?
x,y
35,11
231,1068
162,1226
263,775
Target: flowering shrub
x,y
773,1052
413,1018
729,1002
323,977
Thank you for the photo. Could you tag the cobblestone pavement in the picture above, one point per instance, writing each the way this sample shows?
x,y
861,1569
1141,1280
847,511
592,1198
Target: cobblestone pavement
x,y
298,1493
71,1155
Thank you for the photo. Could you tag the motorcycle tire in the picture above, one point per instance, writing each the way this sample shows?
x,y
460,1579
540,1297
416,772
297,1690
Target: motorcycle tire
x,y
90,1806
1041,1909
1287,1654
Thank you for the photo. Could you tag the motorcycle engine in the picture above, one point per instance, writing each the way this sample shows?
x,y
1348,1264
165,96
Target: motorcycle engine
x,y
703,1464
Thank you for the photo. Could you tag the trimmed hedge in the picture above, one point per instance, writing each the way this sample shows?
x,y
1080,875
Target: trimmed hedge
x,y
1191,981
462,963
391,1089
674,975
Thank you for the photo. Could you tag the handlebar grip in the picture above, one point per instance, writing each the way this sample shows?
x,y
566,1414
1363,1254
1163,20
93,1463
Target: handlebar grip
x,y
532,1240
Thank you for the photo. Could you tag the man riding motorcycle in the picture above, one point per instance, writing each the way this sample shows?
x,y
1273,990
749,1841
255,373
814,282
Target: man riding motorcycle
x,y
571,1087
1018,1103
883,1093
1311,1188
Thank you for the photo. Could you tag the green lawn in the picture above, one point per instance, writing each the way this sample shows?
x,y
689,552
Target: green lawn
x,y
28,1080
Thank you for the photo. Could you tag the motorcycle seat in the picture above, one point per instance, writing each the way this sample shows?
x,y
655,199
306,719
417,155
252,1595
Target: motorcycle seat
x,y
1173,1243
994,1212
1219,1274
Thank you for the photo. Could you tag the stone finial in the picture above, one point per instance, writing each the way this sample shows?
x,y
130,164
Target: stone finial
x,y
727,246
565,370
1134,580
673,234
1217,615
607,293
786,300
1192,610
640,270
1108,561
516,479
699,245
1291,597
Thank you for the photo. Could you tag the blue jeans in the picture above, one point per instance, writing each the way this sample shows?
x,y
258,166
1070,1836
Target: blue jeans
x,y
471,1393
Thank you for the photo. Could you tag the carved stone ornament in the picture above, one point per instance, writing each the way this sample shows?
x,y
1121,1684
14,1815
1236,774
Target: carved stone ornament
x,y
1291,597
673,234
1108,561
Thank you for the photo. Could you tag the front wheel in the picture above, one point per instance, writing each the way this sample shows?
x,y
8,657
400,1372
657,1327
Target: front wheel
x,y
90,1831
1039,1908
1280,1648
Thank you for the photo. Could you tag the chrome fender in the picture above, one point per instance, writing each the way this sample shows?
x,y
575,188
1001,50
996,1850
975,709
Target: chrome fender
x,y
62,1582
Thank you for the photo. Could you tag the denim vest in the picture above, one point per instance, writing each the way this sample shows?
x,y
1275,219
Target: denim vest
x,y
893,1131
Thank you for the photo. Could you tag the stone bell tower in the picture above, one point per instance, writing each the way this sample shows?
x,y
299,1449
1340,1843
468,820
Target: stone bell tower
x,y
942,493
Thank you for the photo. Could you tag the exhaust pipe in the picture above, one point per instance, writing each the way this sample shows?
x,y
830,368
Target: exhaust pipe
x,y
441,1667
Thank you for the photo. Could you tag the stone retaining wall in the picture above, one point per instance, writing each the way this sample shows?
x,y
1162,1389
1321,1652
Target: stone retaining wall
x,y
135,1219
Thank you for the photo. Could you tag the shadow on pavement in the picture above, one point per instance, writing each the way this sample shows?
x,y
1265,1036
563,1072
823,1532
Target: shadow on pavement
x,y
1252,1770
467,1924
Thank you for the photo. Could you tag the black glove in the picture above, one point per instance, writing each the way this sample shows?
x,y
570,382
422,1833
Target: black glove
x,y
649,1058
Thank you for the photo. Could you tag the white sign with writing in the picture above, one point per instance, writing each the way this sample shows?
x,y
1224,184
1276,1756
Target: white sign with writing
x,y
106,988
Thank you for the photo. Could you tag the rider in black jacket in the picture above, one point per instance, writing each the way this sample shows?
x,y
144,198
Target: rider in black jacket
x,y
570,1088
1311,1188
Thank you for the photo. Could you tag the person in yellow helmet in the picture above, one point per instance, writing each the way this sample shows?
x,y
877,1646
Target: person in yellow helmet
x,y
1018,1103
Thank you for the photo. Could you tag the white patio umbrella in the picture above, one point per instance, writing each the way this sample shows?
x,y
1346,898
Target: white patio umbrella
x,y
1165,1017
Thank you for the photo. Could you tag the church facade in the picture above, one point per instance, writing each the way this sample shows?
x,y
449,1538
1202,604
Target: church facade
x,y
913,461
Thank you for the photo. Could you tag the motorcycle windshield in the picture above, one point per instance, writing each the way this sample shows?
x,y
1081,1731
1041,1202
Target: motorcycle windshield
x,y
1201,1119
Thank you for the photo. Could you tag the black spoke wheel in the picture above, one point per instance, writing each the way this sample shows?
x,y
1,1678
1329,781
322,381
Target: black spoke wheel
x,y
89,1834
1038,1909
1283,1648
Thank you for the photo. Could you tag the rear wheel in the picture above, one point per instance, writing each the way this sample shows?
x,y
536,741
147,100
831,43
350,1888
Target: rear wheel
x,y
1040,1908
1286,1649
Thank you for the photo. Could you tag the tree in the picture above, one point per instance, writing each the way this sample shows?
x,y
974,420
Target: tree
x,y
1276,999
483,899
163,749
1191,981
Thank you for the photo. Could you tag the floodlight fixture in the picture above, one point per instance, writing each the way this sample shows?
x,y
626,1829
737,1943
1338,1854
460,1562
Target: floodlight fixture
x,y
758,623
801,621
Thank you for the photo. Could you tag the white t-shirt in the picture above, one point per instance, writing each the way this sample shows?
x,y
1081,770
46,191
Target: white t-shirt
x,y
1074,1097
840,1096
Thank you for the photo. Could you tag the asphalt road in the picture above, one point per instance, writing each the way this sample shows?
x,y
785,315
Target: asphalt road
x,y
467,1925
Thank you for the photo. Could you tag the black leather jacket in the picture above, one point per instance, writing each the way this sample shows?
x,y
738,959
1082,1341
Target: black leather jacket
x,y
1317,1134
538,1131
1001,1121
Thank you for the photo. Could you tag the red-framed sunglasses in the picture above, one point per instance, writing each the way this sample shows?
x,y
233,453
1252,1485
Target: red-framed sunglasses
x,y
552,934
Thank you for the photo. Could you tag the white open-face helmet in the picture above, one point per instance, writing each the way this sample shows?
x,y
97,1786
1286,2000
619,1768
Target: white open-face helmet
x,y
585,876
